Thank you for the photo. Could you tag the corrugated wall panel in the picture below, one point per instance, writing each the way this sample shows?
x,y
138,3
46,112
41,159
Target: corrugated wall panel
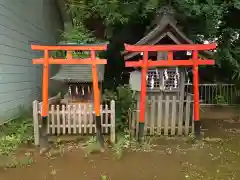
x,y
23,22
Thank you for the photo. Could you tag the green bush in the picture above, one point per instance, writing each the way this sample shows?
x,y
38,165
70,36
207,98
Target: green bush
x,y
125,100
15,133
220,99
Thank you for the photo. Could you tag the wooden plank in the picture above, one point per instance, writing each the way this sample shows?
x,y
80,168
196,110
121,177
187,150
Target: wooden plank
x,y
106,118
36,123
187,115
79,120
74,115
58,119
48,123
138,117
181,103
101,111
64,119
85,111
52,119
160,114
40,109
147,119
69,118
152,115
166,116
180,117
135,116
193,130
91,119
174,115
112,133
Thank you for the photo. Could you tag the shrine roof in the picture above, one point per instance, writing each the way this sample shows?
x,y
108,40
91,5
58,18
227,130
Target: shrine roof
x,y
78,73
165,26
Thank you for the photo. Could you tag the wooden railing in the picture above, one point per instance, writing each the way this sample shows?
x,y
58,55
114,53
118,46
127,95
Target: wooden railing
x,y
165,115
75,119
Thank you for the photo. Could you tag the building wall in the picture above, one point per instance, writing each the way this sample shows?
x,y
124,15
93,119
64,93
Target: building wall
x,y
23,22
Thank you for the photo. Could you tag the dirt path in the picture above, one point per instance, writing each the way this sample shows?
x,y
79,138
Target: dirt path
x,y
74,166
171,159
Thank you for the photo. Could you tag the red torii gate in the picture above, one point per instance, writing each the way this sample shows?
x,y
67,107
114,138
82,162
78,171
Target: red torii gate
x,y
46,60
145,63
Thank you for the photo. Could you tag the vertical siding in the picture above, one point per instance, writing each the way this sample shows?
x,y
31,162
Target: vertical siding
x,y
23,22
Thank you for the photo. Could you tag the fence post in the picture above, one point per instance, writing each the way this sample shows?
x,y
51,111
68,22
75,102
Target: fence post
x,y
36,123
187,114
112,133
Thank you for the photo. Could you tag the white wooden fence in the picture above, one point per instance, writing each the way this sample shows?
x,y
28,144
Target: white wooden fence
x,y
74,119
165,115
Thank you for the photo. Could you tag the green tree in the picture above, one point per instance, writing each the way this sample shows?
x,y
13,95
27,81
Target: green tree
x,y
213,20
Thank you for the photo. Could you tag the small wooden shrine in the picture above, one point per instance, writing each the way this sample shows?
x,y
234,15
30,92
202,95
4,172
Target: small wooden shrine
x,y
168,80
77,80
168,101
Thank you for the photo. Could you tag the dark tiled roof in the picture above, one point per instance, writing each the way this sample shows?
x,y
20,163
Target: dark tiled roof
x,y
78,73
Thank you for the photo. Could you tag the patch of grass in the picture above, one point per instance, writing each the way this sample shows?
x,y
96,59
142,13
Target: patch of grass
x,y
212,140
8,162
103,177
92,146
13,161
9,143
15,133
53,172
147,145
56,150
118,150
190,139
123,142
12,135
26,160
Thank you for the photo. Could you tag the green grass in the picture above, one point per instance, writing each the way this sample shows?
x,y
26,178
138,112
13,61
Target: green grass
x,y
123,142
14,161
103,177
57,149
16,133
92,146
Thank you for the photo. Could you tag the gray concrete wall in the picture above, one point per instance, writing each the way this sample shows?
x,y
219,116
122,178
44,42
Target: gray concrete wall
x,y
23,22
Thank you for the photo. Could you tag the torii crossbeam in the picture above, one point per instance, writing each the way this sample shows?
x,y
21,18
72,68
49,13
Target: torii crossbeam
x,y
92,60
145,63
